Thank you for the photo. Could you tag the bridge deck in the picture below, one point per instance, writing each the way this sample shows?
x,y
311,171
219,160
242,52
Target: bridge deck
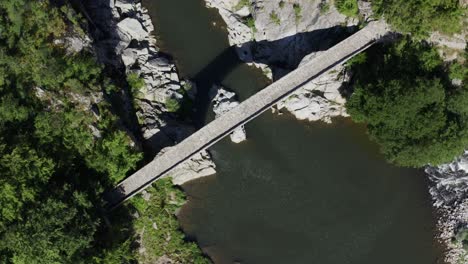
x,y
244,112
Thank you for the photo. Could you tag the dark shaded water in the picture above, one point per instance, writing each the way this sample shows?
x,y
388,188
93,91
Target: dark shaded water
x,y
294,192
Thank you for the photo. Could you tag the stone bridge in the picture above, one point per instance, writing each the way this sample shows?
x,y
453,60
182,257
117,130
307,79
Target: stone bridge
x,y
244,112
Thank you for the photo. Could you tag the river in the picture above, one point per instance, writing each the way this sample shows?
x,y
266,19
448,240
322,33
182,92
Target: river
x,y
295,192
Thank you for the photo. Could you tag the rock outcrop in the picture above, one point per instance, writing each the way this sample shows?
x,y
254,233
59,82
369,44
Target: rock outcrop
x,y
263,30
449,191
224,101
320,99
124,40
198,166
269,22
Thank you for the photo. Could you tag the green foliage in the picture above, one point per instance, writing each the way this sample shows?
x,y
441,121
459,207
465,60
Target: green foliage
x,y
122,253
113,156
162,235
297,11
458,71
24,174
135,83
359,59
348,8
422,17
53,170
241,4
281,4
324,7
250,22
410,107
51,232
172,105
461,237
457,103
274,18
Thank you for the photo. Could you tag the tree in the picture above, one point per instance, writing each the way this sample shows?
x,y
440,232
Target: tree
x,y
53,232
113,156
24,174
410,107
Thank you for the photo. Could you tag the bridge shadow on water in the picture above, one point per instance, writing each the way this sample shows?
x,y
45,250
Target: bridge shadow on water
x,y
282,55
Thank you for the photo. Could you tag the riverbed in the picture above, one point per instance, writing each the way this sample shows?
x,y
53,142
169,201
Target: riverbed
x,y
295,192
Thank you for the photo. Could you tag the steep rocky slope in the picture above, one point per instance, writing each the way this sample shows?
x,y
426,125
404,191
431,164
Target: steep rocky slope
x,y
123,40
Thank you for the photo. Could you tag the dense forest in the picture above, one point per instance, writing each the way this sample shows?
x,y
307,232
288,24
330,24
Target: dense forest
x,y
61,146
53,169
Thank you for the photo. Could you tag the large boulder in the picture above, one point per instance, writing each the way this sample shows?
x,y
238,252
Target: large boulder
x,y
223,102
133,29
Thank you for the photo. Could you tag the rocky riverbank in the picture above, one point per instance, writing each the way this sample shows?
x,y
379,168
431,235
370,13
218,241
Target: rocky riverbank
x,y
123,40
262,31
449,191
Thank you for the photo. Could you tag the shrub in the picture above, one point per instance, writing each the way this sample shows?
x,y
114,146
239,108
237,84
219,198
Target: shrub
x,y
135,82
241,4
422,17
347,7
250,21
172,105
324,7
297,11
274,18
162,235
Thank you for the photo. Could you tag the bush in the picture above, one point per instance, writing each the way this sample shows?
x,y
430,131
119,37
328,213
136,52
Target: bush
x,y
250,22
274,18
162,235
420,18
135,83
241,4
172,105
297,11
403,94
324,7
348,8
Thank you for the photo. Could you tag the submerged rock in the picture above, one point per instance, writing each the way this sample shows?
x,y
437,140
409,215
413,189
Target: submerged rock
x,y
223,102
